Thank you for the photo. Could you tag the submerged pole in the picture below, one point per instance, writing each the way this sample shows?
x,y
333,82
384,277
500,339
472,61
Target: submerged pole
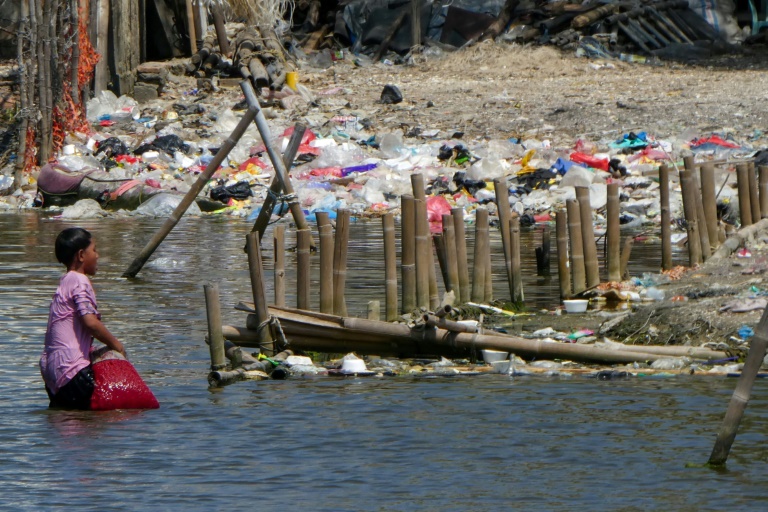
x,y
408,256
215,336
666,218
279,246
502,203
248,117
257,288
390,267
738,403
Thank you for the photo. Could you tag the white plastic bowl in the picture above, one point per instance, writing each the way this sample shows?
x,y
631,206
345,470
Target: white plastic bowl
x,y
353,366
490,356
576,305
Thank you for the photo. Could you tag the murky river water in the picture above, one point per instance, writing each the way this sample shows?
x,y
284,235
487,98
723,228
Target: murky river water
x,y
484,443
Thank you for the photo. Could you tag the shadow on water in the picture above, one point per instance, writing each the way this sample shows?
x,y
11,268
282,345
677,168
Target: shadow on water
x,y
484,443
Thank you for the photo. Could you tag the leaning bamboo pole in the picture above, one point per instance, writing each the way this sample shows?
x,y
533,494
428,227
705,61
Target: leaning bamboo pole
x,y
563,269
738,404
461,252
578,270
613,236
481,249
390,267
340,262
408,253
278,235
666,219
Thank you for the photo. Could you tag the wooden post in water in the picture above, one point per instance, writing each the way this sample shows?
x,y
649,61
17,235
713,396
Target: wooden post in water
x,y
543,252
279,243
390,267
666,219
423,251
481,248
340,262
701,220
577,249
754,194
563,270
215,337
502,203
763,190
194,190
745,209
613,236
451,259
257,288
626,252
517,267
461,252
691,218
591,265
417,182
709,201
326,262
738,403
302,268
439,242
408,256
488,268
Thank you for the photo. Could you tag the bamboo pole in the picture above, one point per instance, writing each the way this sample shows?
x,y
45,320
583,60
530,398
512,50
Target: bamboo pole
x,y
374,310
439,242
563,270
390,267
754,194
738,403
745,209
626,252
257,289
543,252
763,190
302,268
408,256
591,265
198,15
502,203
101,72
417,182
578,270
488,268
517,268
451,258
191,28
481,249
215,336
613,236
340,262
221,31
25,77
701,221
276,187
415,23
190,196
709,201
691,218
326,267
461,252
666,218
423,251
281,172
449,325
279,247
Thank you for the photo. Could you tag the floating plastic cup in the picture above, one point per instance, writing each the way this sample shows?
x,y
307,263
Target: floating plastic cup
x,y
490,356
576,305
292,79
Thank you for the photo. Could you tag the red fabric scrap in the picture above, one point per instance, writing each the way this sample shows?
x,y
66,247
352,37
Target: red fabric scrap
x,y
591,161
437,206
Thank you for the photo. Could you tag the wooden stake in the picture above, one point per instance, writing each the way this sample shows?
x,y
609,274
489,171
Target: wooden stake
x,y
591,265
577,249
278,235
709,202
738,403
613,236
423,251
691,218
390,267
517,268
502,203
461,252
754,194
340,262
326,267
408,256
302,268
666,218
745,209
451,258
215,336
763,190
626,252
563,270
481,249
258,291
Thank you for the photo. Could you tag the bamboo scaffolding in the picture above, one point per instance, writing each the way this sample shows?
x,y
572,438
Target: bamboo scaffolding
x,y
408,254
279,248
563,270
578,271
390,267
613,236
589,246
666,218
461,252
481,249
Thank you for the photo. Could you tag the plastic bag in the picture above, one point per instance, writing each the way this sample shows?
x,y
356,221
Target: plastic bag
x,y
240,191
163,205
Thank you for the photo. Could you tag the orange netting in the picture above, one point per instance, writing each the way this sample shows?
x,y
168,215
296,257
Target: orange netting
x,y
30,155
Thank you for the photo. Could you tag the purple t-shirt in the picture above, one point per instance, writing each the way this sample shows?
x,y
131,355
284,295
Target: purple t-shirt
x,y
67,340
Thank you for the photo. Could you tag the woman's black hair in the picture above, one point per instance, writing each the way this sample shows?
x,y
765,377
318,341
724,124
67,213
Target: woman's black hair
x,y
69,242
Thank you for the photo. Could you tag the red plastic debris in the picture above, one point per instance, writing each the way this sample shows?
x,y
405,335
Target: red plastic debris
x,y
119,386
